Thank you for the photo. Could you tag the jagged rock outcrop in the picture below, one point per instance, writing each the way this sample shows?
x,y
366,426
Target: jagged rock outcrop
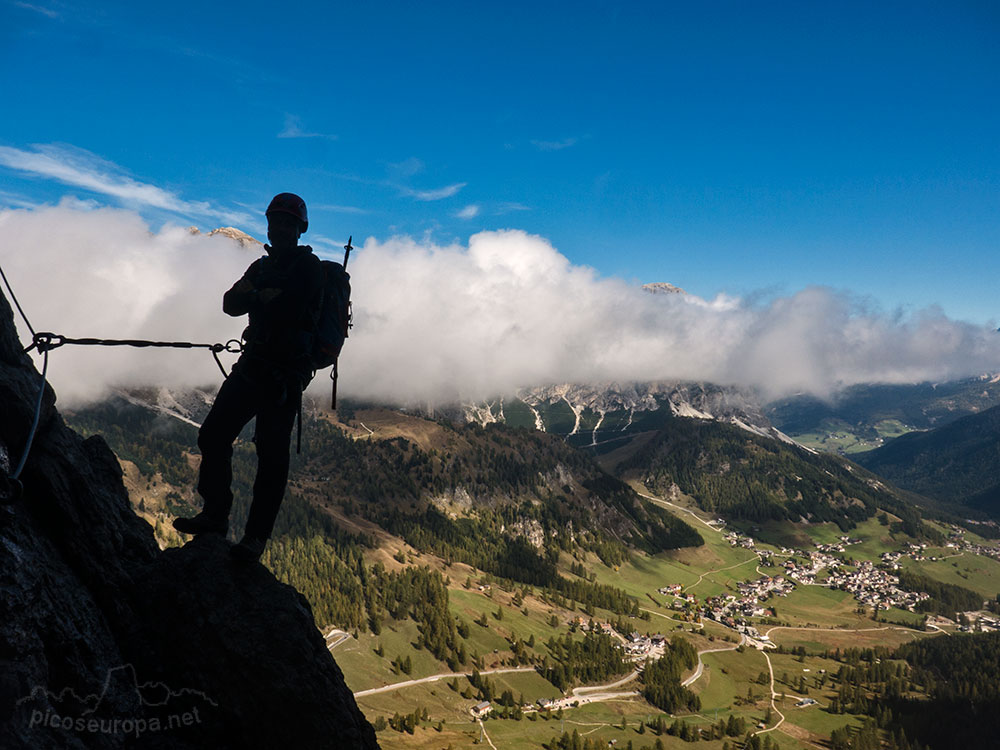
x,y
662,287
244,239
107,642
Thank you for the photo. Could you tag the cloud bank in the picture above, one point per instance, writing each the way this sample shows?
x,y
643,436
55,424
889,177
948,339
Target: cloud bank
x,y
81,168
437,323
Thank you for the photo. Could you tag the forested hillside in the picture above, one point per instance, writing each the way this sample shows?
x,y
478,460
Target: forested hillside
x,y
741,475
959,674
504,500
958,464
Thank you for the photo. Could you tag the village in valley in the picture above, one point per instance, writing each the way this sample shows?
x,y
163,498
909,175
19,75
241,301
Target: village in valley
x,y
873,585
751,606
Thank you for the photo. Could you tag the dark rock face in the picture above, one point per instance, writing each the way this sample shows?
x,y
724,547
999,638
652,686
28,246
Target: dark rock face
x,y
107,642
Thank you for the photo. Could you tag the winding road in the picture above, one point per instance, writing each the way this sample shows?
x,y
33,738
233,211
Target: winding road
x,y
774,708
701,665
435,678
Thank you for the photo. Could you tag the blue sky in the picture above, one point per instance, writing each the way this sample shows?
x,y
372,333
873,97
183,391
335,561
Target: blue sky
x,y
751,148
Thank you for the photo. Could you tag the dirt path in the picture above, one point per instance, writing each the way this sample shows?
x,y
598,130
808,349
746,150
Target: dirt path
x,y
774,708
839,630
710,572
691,513
486,736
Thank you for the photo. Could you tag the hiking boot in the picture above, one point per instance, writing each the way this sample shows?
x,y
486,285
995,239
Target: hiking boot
x,y
202,524
248,550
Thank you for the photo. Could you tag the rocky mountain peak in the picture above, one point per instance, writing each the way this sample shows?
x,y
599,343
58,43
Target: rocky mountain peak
x,y
662,287
232,233
240,236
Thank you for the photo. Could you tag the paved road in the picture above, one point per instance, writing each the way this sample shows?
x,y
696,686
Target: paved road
x,y
581,696
935,627
595,688
435,678
573,701
335,637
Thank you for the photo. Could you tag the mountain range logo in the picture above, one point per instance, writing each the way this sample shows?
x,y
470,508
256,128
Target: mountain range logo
x,y
123,706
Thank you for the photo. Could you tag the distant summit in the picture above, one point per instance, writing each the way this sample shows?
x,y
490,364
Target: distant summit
x,y
662,287
235,234
232,233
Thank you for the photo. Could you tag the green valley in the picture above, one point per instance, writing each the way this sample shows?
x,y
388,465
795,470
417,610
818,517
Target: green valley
x,y
453,566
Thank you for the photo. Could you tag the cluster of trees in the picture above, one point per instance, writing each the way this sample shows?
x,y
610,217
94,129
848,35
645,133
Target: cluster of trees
x,y
936,692
868,737
958,675
484,689
870,682
946,598
758,742
405,722
345,591
592,659
328,580
959,668
661,679
575,742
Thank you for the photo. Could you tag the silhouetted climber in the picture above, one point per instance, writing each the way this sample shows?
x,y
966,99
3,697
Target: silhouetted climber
x,y
282,293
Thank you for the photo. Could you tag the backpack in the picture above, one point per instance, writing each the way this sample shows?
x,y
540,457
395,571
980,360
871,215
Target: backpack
x,y
334,318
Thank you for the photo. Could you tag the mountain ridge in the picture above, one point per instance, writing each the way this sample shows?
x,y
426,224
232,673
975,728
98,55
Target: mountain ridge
x,y
957,464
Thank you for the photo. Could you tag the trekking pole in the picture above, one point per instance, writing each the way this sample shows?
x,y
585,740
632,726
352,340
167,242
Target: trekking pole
x,y
333,373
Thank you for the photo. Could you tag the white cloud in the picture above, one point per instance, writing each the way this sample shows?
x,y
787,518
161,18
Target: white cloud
x,y
510,206
14,200
555,145
434,323
37,9
293,129
340,209
433,195
406,168
81,168
103,273
469,212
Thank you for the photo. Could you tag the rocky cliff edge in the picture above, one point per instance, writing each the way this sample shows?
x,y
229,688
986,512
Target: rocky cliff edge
x,y
107,642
